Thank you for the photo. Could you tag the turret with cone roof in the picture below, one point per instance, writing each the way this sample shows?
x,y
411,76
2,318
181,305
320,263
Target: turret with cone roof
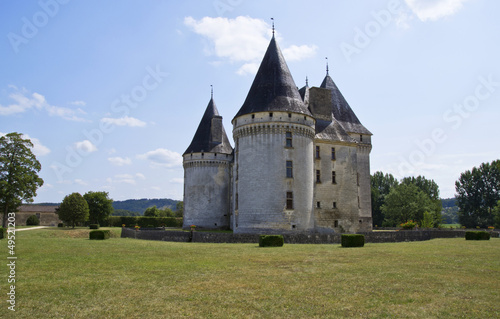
x,y
341,109
210,135
273,88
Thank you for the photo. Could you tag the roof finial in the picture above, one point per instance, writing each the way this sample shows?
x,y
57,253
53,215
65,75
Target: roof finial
x,y
326,65
211,91
307,81
273,26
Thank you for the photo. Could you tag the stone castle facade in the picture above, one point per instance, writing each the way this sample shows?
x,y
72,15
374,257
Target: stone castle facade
x,y
301,161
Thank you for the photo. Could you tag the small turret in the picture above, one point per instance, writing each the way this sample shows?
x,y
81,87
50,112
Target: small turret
x,y
207,174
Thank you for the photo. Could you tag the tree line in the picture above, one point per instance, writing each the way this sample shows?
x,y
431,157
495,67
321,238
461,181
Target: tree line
x,y
413,198
417,198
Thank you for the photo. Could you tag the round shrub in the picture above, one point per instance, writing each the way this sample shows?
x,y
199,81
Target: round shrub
x,y
32,221
352,240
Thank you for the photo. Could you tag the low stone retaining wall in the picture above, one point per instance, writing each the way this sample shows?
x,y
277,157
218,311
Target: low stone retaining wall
x,y
370,237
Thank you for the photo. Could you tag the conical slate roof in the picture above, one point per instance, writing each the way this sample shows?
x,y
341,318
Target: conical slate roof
x,y
341,109
210,135
273,88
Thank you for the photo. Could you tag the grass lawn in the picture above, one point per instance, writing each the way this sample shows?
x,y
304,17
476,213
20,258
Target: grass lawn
x,y
62,274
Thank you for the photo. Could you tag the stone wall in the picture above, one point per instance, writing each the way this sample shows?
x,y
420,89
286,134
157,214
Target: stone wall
x,y
212,237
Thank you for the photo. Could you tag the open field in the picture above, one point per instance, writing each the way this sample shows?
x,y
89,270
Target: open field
x,y
62,274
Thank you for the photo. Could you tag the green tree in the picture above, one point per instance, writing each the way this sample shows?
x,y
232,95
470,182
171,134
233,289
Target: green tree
x,y
152,211
496,216
100,207
405,202
19,169
179,209
431,189
32,221
478,191
165,212
381,185
73,210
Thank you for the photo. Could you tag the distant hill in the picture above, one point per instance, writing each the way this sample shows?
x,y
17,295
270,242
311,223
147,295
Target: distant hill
x,y
138,205
449,202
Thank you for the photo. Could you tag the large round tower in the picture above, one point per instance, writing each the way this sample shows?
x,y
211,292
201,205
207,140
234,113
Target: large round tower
x,y
273,165
207,174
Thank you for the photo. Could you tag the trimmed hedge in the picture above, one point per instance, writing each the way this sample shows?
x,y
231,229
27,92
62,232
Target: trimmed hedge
x,y
3,232
94,226
32,221
145,222
352,240
99,234
271,241
477,235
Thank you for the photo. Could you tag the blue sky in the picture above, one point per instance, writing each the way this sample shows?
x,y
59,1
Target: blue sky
x,y
111,92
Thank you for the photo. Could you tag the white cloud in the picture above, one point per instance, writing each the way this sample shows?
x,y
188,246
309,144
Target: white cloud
x,y
297,53
434,9
24,101
79,103
85,146
124,121
239,39
162,157
242,39
120,161
125,179
38,148
248,68
177,180
80,182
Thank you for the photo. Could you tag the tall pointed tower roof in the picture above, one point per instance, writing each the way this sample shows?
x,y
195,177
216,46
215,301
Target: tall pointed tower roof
x,y
341,109
210,135
273,88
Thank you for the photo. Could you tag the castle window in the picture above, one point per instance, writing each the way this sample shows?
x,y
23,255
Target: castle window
x,y
253,116
334,204
318,204
289,200
336,224
289,169
270,114
317,152
289,114
236,201
333,153
288,139
318,176
334,179
361,138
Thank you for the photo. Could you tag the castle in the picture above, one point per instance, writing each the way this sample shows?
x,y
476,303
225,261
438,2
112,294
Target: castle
x,y
301,161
